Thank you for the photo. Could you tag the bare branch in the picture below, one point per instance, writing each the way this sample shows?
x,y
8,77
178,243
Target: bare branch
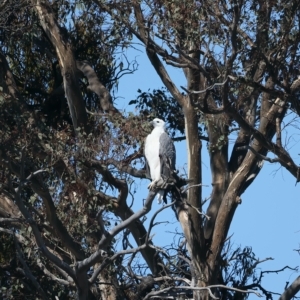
x,y
106,239
153,218
124,166
52,276
205,90
198,211
271,160
208,288
108,260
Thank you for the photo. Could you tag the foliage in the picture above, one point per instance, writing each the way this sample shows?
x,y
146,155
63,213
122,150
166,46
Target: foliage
x,y
71,161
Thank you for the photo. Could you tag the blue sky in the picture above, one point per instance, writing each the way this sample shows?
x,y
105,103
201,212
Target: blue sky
x,y
268,218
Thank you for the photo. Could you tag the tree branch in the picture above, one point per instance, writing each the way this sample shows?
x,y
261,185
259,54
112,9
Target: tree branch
x,y
96,86
108,236
263,157
291,291
67,63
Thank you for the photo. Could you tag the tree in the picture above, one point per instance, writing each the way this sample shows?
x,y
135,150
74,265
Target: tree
x,y
69,156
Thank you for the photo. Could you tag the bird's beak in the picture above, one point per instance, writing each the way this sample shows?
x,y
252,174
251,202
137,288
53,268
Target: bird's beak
x,y
151,123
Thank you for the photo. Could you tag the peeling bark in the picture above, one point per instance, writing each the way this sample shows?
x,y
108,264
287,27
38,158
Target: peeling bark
x,y
96,86
66,61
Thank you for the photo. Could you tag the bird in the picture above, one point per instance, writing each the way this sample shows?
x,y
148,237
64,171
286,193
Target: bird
x,y
159,147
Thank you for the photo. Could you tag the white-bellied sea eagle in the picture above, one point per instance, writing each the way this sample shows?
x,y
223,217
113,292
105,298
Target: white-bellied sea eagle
x,y
159,148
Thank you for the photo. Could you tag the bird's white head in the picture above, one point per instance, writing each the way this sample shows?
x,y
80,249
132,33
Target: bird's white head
x,y
158,123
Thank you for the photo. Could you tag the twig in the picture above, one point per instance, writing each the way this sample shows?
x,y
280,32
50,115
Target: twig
x,y
95,114
194,185
198,211
112,258
277,271
205,90
156,279
271,160
235,289
261,261
153,218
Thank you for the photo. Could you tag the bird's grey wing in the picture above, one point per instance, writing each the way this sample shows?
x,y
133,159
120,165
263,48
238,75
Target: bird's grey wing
x,y
166,151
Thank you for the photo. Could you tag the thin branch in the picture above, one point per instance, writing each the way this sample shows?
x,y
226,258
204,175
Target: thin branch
x,y
205,90
235,289
261,261
153,218
107,238
198,211
125,167
52,276
271,160
208,288
12,220
108,260
164,278
257,85
194,185
280,270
